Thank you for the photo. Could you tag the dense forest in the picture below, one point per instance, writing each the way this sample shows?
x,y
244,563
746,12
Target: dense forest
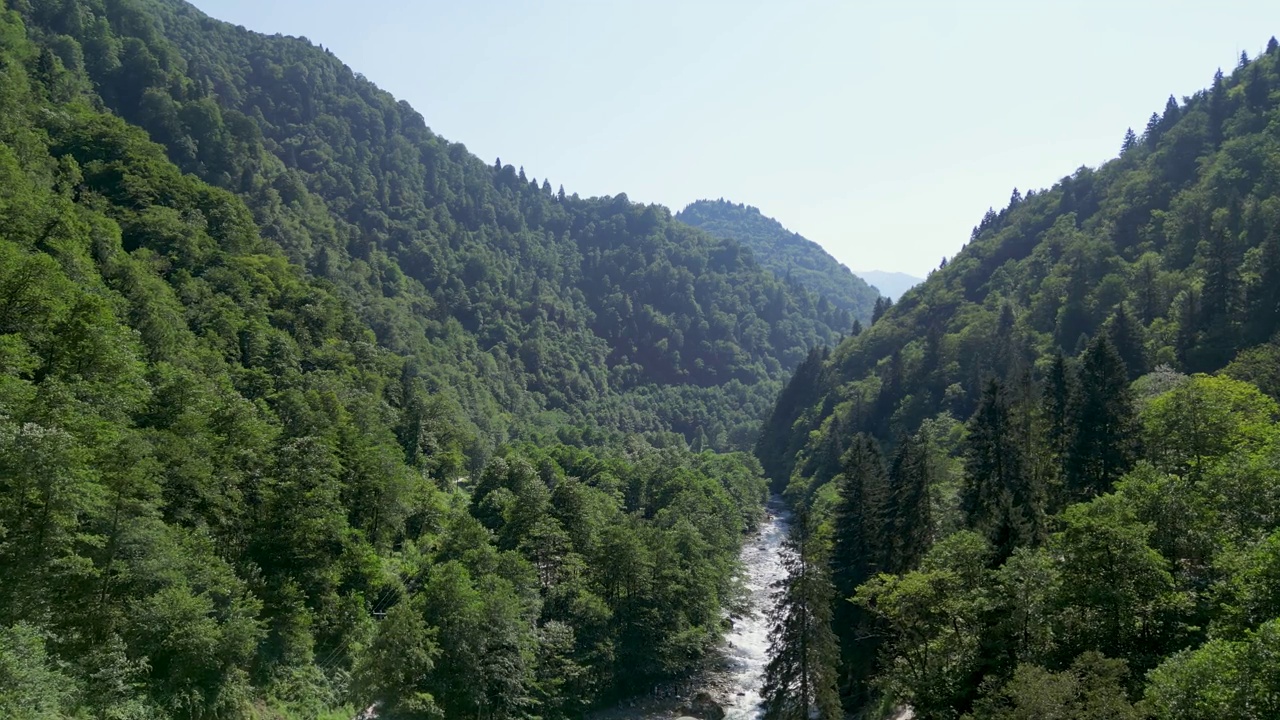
x,y
788,255
303,408
529,310
1044,483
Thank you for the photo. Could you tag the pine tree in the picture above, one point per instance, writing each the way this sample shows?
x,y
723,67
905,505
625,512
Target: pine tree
x,y
856,330
1217,108
858,523
861,542
1272,46
1130,141
1219,300
1258,89
881,307
1056,409
1152,134
1103,423
1126,335
800,679
1264,296
999,497
909,510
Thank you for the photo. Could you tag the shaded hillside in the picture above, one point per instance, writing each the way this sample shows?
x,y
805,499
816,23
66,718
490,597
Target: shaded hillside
x,y
785,253
1039,498
530,309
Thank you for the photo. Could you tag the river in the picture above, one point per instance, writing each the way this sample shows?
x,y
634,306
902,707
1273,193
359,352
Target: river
x,y
734,682
747,650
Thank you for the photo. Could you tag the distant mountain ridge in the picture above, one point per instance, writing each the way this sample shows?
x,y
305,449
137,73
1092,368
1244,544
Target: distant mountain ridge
x,y
890,284
787,254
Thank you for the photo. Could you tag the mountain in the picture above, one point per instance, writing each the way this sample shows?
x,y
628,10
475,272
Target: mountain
x,y
531,310
1049,469
304,408
890,284
786,254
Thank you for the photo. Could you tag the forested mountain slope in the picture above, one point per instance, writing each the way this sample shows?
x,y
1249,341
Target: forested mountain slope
x,y
1040,501
255,384
787,254
526,308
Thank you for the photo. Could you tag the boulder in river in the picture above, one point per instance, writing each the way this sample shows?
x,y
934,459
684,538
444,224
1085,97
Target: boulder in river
x,y
704,707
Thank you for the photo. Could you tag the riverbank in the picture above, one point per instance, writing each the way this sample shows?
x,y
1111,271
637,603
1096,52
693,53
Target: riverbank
x,y
732,678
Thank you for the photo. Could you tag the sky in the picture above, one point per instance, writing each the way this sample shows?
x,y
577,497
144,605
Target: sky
x,y
881,130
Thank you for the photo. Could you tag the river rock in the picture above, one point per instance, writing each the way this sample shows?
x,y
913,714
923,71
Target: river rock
x,y
704,707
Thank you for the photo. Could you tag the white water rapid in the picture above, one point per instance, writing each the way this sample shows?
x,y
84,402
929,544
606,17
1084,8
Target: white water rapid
x,y
748,642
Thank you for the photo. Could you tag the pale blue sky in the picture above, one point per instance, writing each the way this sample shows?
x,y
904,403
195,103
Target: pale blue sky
x,y
881,130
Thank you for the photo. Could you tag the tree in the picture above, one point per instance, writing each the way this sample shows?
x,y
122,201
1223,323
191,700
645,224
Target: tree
x,y
862,542
999,497
1093,688
1222,678
1130,141
1104,439
1056,398
1117,596
800,679
909,508
934,621
395,669
1126,336
881,307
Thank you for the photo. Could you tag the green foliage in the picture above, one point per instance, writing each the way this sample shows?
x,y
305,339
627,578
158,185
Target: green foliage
x,y
261,382
1119,505
800,679
785,254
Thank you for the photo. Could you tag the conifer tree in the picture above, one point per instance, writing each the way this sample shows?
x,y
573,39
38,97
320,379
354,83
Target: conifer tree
x,y
909,510
1103,423
858,521
1130,141
1056,409
999,497
1152,134
800,679
1272,45
1264,295
1126,335
861,543
881,307
1217,108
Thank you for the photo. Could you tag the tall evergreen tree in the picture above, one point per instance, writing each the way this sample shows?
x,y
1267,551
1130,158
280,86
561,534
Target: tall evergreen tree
x,y
1264,296
861,541
1217,107
1103,423
909,509
999,497
1126,335
1056,410
800,679
1130,141
881,307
